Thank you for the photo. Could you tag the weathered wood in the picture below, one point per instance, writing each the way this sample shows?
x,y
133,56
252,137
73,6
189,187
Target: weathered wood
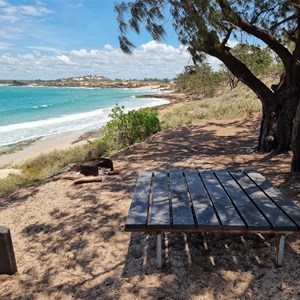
x,y
159,250
89,168
160,208
210,201
248,211
274,215
181,209
204,210
138,211
7,257
280,251
88,179
227,213
277,196
67,177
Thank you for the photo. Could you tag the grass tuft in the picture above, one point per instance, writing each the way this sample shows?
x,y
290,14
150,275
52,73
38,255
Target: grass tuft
x,y
239,102
47,165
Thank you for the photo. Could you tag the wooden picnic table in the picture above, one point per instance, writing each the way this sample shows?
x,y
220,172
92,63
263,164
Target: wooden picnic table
x,y
228,201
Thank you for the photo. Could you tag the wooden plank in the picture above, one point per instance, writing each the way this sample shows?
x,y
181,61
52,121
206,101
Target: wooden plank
x,y
228,215
249,212
181,209
204,210
138,211
275,216
160,207
280,198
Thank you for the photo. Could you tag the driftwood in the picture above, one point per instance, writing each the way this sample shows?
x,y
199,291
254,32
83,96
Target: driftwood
x,y
109,172
68,177
88,179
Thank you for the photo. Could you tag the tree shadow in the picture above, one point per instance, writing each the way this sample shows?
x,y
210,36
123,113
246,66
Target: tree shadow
x,y
80,249
211,264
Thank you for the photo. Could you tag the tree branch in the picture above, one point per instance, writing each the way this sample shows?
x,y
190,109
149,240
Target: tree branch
x,y
278,48
225,40
283,21
242,72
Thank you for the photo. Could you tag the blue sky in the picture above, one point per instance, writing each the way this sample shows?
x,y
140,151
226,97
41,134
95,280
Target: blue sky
x,y
48,39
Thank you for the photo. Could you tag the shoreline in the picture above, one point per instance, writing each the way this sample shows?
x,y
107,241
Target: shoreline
x,y
22,151
44,145
65,140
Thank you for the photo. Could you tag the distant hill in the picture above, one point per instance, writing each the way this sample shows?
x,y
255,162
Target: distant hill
x,y
91,81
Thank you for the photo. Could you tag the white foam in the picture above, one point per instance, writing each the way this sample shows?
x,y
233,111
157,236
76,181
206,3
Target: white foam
x,y
15,133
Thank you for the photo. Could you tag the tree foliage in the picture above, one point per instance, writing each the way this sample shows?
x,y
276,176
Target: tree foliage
x,y
206,26
257,59
200,80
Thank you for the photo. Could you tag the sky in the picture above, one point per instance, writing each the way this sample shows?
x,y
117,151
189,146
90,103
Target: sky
x,y
51,39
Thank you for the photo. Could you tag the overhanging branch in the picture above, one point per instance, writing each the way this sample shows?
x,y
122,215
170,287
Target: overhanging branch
x,y
244,25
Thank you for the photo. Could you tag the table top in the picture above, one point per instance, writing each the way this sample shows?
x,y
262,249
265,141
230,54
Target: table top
x,y
210,200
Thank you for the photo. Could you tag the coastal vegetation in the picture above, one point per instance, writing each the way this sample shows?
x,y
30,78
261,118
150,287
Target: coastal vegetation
x,y
125,129
47,165
201,81
224,104
91,81
207,28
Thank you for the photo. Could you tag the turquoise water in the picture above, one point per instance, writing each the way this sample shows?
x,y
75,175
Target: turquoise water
x,y
33,112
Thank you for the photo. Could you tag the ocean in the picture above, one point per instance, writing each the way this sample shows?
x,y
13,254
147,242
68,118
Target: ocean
x,y
28,113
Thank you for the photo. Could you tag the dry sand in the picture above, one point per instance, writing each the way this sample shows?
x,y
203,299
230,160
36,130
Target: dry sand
x,y
70,242
44,145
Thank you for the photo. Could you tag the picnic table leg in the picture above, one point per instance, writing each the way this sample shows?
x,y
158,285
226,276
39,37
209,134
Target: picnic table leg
x,y
159,250
280,250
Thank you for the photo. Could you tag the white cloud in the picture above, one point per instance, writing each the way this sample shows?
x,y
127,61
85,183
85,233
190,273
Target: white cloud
x,y
44,48
15,13
3,3
4,45
33,10
16,20
151,60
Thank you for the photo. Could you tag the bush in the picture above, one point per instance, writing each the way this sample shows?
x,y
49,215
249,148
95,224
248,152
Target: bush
x,y
125,129
199,80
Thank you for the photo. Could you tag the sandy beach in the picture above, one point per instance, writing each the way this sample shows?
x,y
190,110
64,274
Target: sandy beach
x,y
70,243
44,145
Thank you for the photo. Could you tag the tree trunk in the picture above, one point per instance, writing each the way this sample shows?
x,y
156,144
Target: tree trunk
x,y
267,140
280,129
295,166
278,118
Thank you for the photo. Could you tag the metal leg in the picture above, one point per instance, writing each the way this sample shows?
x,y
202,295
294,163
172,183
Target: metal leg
x,y
280,251
159,250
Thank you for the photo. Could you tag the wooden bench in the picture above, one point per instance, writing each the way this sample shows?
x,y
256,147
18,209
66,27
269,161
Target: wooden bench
x,y
211,201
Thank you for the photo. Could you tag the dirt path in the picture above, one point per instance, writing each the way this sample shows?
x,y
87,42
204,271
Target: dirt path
x,y
70,242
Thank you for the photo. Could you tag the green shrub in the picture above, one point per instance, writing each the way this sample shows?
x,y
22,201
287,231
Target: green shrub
x,y
199,80
125,129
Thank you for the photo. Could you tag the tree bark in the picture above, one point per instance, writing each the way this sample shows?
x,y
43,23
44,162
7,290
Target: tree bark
x,y
267,140
295,166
